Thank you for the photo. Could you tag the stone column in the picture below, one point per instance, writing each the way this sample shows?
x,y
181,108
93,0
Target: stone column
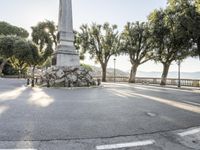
x,y
66,54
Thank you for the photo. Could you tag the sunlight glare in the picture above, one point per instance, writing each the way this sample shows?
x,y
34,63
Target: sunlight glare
x,y
173,103
3,109
40,98
11,95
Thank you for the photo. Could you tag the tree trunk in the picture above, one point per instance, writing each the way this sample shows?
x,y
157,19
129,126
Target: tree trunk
x,y
133,73
2,66
198,47
104,69
19,73
164,74
33,77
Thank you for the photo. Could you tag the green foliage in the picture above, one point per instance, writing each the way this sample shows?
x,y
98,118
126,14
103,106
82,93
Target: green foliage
x,y
22,54
100,41
7,46
22,50
197,4
9,70
8,35
44,35
35,56
136,42
77,45
188,14
47,63
168,42
7,29
87,67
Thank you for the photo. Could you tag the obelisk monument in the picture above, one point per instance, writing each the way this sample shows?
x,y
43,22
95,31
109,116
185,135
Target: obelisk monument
x,y
66,54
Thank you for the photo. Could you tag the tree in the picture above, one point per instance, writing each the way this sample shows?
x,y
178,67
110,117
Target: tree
x,y
77,45
26,54
6,49
169,43
22,55
100,41
9,34
136,43
8,29
9,69
188,13
44,35
35,59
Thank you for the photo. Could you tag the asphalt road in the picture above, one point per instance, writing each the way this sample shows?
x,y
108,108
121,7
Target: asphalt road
x,y
86,117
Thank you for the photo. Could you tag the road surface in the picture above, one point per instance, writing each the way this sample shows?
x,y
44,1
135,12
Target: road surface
x,y
126,115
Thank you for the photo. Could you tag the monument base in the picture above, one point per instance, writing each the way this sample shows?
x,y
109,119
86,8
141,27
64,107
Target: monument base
x,y
68,77
67,60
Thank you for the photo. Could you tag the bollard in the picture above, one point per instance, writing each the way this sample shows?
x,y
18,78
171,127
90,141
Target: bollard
x,y
28,81
48,84
32,83
36,80
99,82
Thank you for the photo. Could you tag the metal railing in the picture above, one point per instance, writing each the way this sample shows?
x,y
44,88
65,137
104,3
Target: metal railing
x,y
146,80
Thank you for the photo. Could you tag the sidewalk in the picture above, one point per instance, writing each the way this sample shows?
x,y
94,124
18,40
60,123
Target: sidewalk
x,y
195,89
188,88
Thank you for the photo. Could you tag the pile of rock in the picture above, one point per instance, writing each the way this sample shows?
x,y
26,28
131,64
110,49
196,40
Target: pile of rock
x,y
68,77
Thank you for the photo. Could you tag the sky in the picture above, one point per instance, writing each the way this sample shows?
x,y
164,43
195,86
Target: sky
x,y
27,13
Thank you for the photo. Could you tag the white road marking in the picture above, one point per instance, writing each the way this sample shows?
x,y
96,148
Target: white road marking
x,y
125,145
193,103
18,149
190,132
173,103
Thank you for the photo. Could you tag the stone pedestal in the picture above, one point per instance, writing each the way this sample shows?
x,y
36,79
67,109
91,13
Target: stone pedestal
x,y
67,58
63,60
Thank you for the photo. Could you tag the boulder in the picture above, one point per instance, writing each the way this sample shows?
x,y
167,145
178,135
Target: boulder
x,y
68,77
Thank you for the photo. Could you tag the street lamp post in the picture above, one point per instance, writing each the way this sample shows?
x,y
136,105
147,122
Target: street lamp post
x,y
179,73
19,76
114,69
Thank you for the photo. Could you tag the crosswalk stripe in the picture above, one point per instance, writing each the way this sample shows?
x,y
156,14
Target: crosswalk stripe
x,y
125,145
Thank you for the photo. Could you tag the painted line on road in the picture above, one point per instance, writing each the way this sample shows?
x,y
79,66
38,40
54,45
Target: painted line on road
x,y
18,149
193,103
169,102
126,145
189,132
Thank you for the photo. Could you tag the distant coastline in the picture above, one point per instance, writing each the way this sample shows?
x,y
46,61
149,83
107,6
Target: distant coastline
x,y
184,75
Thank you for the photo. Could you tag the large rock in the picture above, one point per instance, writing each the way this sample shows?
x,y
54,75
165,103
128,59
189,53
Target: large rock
x,y
68,77
60,73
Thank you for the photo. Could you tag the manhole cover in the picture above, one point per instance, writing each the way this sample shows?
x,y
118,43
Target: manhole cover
x,y
150,114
